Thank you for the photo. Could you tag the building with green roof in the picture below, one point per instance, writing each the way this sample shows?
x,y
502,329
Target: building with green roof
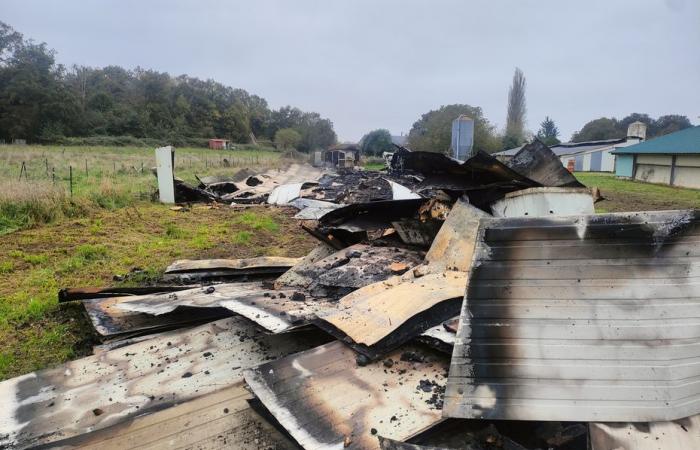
x,y
671,159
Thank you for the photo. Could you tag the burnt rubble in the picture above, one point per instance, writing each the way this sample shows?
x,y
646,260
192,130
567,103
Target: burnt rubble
x,y
448,305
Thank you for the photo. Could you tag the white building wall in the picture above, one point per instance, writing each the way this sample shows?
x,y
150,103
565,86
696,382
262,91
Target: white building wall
x,y
608,162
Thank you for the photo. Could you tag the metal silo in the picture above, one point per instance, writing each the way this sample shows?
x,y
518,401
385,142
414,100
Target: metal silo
x,y
462,137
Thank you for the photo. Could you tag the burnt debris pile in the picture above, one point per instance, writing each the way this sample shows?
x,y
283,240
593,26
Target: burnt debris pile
x,y
474,305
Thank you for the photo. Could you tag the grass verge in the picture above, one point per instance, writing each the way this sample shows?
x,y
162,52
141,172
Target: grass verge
x,y
36,332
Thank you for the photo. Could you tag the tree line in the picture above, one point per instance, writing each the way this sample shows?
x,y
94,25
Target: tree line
x,y
433,130
44,102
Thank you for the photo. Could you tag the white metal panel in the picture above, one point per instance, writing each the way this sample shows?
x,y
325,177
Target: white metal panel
x,y
608,161
281,195
164,168
542,202
688,160
652,173
587,162
687,177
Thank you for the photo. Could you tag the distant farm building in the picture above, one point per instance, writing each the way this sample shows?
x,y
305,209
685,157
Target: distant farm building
x,y
339,156
671,159
590,156
218,144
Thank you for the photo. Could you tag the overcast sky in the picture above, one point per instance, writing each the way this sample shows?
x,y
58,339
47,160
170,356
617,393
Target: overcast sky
x,y
369,64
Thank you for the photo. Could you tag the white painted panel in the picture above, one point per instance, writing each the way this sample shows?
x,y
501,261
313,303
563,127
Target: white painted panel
x,y
688,160
607,163
164,167
687,177
542,202
587,162
661,160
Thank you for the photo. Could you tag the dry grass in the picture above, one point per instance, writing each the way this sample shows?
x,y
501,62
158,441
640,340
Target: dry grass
x,y
104,177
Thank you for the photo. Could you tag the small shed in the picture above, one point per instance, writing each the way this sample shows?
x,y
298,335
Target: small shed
x,y
672,159
218,144
342,155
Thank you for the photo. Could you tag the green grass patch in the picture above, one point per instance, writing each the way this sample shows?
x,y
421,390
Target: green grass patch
x,y
628,195
257,221
172,231
6,267
242,237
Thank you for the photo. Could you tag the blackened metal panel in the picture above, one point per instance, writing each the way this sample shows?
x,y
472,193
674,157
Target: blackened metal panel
x,y
324,399
546,335
105,389
537,162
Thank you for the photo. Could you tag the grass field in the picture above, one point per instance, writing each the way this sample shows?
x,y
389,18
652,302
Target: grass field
x,y
625,195
103,177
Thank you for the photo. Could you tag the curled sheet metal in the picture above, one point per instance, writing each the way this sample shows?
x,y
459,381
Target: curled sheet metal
x,y
581,318
537,162
383,315
676,434
282,195
440,337
110,321
325,400
99,391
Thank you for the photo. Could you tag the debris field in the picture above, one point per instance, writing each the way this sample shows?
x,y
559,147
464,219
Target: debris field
x,y
474,305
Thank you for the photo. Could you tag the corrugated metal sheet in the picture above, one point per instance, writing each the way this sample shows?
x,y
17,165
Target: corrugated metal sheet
x,y
219,420
537,162
105,389
591,318
325,400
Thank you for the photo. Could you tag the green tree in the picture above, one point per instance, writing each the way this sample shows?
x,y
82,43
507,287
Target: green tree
x,y
287,137
517,109
433,131
548,132
41,101
599,129
669,123
376,142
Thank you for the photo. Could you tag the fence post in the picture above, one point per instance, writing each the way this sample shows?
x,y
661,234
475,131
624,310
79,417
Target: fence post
x,y
21,171
53,175
46,160
86,169
70,177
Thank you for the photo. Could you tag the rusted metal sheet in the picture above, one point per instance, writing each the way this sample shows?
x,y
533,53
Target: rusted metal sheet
x,y
676,434
593,318
191,270
453,245
222,419
110,321
99,391
537,162
325,400
382,316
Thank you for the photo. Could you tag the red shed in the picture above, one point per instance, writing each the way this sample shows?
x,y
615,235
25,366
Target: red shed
x,y
218,144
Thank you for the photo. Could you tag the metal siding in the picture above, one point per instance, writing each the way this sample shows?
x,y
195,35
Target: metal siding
x,y
624,165
659,160
587,162
578,167
586,318
596,161
687,177
688,160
